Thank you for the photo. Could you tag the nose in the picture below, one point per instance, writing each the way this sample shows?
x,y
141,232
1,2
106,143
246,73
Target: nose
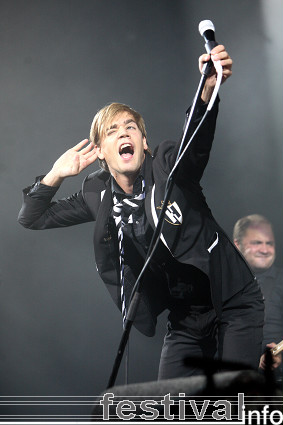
x,y
265,248
122,132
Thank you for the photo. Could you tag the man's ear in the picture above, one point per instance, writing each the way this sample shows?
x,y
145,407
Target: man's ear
x,y
99,152
236,243
145,145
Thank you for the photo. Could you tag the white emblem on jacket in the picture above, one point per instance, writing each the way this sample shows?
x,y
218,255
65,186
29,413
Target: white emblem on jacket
x,y
174,214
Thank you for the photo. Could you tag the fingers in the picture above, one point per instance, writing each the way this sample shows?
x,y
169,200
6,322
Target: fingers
x,y
220,54
89,149
80,145
202,60
276,359
91,156
218,49
82,155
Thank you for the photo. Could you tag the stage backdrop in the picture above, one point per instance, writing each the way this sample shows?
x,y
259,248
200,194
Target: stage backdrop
x,y
60,62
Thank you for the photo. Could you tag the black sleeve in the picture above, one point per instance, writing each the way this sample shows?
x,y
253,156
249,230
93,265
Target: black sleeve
x,y
40,212
193,163
273,328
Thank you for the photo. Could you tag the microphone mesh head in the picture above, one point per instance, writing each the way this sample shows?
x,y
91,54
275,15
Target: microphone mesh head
x,y
204,26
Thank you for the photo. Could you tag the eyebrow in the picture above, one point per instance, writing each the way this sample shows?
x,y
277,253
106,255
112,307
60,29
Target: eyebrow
x,y
125,122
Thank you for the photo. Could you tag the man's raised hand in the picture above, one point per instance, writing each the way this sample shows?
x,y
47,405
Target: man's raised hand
x,y
218,53
71,163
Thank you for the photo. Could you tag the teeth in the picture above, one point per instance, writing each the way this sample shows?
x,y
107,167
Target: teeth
x,y
125,145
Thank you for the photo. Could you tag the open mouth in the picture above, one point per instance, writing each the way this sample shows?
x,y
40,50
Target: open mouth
x,y
126,150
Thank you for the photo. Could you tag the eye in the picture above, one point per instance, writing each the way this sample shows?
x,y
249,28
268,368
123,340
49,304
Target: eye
x,y
110,132
129,127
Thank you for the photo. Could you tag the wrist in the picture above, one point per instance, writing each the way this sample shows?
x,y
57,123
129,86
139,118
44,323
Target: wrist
x,y
52,179
206,93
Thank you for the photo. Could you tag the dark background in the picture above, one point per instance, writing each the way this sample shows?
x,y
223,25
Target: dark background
x,y
63,60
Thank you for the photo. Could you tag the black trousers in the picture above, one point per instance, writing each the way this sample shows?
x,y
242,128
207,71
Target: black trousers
x,y
197,332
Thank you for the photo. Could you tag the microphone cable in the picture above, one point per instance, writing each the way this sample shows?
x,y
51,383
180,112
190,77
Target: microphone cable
x,y
157,232
135,294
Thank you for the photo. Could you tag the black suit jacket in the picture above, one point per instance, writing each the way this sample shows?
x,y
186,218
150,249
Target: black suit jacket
x,y
190,232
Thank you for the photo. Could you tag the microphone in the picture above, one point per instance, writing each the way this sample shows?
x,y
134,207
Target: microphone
x,y
206,29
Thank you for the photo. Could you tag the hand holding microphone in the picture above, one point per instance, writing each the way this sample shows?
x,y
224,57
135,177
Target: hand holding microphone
x,y
216,52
